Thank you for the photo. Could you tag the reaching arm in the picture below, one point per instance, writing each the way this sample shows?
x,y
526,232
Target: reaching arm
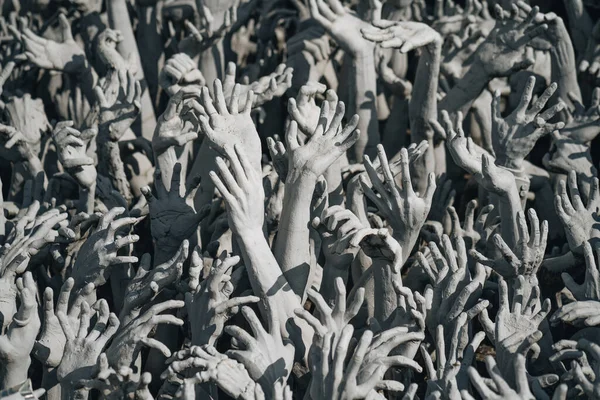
x,y
344,26
306,163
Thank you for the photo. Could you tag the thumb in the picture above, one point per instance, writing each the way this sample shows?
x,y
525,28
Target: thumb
x,y
65,28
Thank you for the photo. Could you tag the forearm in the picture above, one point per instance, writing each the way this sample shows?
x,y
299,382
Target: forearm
x,y
203,164
423,104
292,245
211,61
152,48
118,18
509,206
466,90
111,165
86,199
561,263
330,274
394,135
333,176
304,70
166,162
50,383
564,69
386,299
12,374
580,23
265,275
365,77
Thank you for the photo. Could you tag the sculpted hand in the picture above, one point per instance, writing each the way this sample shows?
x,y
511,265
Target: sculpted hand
x,y
325,145
475,233
505,50
590,288
172,219
305,111
404,210
528,254
65,56
113,385
271,86
502,389
180,71
199,40
114,119
129,339
264,89
107,52
208,304
516,332
591,387
32,234
177,125
452,364
579,221
465,153
71,146
333,378
148,282
242,190
212,366
343,25
454,290
18,341
402,35
98,254
378,244
578,313
332,320
50,346
337,226
266,355
225,126
514,136
591,58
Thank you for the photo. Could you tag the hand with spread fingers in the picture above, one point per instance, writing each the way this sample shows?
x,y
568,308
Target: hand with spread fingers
x,y
404,210
99,254
267,355
71,145
148,282
342,24
19,338
209,304
516,331
226,125
172,219
63,55
514,136
128,340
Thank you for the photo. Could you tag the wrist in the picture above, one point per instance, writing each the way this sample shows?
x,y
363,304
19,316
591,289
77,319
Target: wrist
x,y
364,54
249,235
299,174
14,372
